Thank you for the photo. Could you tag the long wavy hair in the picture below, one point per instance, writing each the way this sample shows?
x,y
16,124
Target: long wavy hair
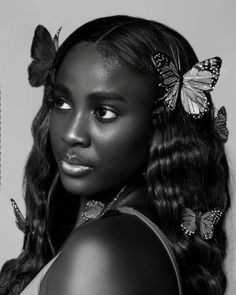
x,y
187,165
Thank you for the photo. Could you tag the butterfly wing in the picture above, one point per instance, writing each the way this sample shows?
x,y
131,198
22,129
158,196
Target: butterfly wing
x,y
93,210
38,71
168,79
220,122
20,220
188,224
193,101
56,39
43,47
207,222
43,51
208,73
200,79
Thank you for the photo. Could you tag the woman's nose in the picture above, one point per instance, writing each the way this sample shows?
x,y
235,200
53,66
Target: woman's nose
x,y
77,131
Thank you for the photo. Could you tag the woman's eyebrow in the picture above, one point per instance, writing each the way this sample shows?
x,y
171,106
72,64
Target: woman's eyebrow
x,y
61,87
103,95
97,95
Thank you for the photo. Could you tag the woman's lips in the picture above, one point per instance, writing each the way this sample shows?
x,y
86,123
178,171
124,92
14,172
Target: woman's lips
x,y
74,169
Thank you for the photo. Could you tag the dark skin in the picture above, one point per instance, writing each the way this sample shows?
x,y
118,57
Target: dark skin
x,y
103,111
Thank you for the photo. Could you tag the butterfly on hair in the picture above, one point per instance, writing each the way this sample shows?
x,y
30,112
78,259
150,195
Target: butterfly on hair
x,y
20,219
22,223
202,222
220,122
43,52
191,87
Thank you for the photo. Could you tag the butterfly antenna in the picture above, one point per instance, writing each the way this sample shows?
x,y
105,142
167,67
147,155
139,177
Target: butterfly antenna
x,y
173,53
178,59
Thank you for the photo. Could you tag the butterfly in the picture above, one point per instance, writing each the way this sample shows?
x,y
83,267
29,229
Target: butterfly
x,y
43,52
204,223
220,122
93,210
21,223
20,219
201,78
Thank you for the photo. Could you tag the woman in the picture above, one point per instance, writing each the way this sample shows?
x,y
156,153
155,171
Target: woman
x,y
119,128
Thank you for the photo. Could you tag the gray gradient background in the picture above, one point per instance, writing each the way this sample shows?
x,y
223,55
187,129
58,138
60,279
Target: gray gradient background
x,y
209,26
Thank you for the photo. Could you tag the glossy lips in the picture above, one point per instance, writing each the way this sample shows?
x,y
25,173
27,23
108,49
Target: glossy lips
x,y
72,165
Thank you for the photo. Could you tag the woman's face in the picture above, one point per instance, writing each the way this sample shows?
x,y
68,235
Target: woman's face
x,y
100,124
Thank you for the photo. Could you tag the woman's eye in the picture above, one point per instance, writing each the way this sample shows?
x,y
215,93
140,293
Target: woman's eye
x,y
105,114
60,103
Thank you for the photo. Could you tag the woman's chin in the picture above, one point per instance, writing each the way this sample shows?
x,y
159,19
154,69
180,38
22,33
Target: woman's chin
x,y
76,186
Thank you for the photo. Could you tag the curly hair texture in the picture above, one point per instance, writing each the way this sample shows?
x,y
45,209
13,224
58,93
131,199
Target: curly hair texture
x,y
187,164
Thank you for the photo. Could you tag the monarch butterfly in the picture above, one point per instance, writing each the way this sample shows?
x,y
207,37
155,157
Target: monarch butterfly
x,y
203,222
201,78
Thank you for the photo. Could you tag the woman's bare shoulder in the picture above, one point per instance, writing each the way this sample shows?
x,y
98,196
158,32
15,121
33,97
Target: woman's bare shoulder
x,y
118,254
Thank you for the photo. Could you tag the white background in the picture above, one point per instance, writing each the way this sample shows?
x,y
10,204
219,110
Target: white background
x,y
210,27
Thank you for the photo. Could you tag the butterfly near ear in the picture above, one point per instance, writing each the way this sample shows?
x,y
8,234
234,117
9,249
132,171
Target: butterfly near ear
x,y
191,88
43,52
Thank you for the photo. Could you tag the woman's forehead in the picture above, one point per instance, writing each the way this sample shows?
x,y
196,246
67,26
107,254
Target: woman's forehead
x,y
90,55
86,54
84,68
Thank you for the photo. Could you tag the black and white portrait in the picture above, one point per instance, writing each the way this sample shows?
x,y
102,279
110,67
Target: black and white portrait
x,y
117,147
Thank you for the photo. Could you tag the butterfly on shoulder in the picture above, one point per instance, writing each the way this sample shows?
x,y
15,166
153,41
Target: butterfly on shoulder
x,y
202,222
201,78
43,52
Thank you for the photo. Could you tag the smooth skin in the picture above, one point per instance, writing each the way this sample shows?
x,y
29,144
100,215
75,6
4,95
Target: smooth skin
x,y
103,112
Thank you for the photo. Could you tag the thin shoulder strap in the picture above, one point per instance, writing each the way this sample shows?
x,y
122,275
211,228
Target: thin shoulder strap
x,y
162,238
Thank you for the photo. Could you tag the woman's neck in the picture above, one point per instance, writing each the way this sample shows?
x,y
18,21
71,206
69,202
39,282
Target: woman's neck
x,y
134,195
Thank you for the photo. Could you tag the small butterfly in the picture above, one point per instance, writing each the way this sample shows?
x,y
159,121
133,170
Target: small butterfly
x,y
21,223
201,78
204,223
220,122
43,52
93,210
20,219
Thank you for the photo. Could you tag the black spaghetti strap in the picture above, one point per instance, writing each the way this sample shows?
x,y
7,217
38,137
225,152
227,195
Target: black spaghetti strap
x,y
162,238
